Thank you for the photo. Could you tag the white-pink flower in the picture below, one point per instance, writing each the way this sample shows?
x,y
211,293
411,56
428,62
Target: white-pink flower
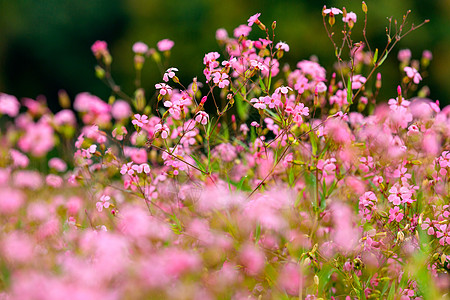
x,y
202,118
140,48
282,46
333,11
170,73
163,129
164,89
221,79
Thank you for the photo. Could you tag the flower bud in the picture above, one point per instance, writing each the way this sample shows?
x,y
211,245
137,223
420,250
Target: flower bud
x,y
331,19
364,7
274,25
99,72
400,236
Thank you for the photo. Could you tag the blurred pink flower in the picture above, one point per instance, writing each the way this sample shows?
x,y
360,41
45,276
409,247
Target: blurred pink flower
x,y
165,45
9,105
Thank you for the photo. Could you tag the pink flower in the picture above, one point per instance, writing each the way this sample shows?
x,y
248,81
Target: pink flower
x,y
170,73
9,105
332,11
221,79
165,45
259,103
404,55
127,169
252,259
350,16
413,74
103,203
140,120
19,159
282,46
164,89
163,129
10,200
258,65
58,164
140,48
358,81
99,48
283,90
395,214
202,118
254,19
37,140
121,110
242,30
141,168
221,34
54,180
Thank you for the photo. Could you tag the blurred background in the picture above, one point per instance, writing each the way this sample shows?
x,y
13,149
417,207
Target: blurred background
x,y
45,44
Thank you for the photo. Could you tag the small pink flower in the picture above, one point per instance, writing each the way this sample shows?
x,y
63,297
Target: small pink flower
x,y
221,79
395,214
350,16
170,73
413,74
99,48
127,169
202,118
283,90
282,46
404,55
258,65
259,103
164,89
103,203
254,19
242,30
57,164
221,34
9,105
140,48
140,120
165,45
163,129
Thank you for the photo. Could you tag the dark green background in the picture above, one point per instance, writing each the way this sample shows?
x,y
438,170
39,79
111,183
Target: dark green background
x,y
45,44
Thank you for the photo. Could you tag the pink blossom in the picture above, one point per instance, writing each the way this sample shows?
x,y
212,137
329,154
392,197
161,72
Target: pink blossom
x,y
221,79
164,89
170,73
58,164
140,120
65,117
140,48
350,16
54,180
242,30
221,34
259,103
37,140
163,129
121,110
19,159
10,200
282,46
103,203
395,214
413,74
357,82
253,19
99,48
252,259
9,105
165,45
283,90
404,55
202,118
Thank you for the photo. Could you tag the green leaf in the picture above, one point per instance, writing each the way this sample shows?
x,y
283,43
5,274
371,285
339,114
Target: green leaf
x,y
375,56
382,59
199,163
324,276
391,292
291,176
257,233
261,84
349,91
314,142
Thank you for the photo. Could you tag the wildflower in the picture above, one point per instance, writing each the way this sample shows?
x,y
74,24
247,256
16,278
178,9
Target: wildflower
x,y
221,79
404,55
103,203
242,30
164,89
163,129
170,73
395,214
202,118
350,17
259,103
140,120
140,48
258,65
141,168
282,46
99,48
221,34
332,11
9,105
413,74
120,110
165,45
283,89
254,19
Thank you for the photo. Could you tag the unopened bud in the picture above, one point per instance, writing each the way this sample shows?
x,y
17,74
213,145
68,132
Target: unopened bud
x,y
364,7
274,25
399,93
63,99
331,19
175,79
378,82
261,26
194,85
316,280
99,72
